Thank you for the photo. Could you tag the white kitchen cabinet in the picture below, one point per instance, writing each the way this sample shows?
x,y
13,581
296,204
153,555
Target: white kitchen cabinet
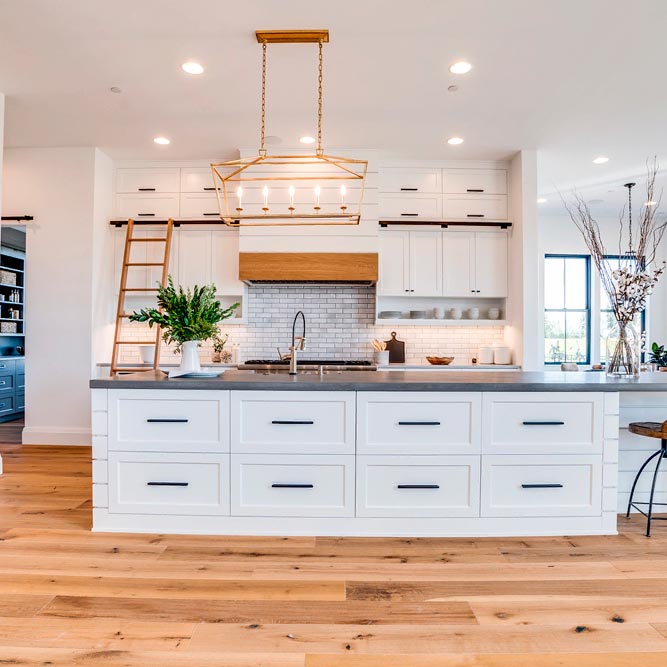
x,y
407,180
194,258
197,179
474,207
410,263
394,274
475,181
148,179
147,206
411,206
199,206
475,264
225,262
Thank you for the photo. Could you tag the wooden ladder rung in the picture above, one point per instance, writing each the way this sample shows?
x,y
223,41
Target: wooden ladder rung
x,y
148,239
131,369
144,264
133,342
138,289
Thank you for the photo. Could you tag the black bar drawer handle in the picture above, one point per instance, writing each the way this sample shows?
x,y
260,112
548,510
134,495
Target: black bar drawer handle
x,y
419,423
167,421
146,189
167,483
543,423
418,486
541,486
475,190
409,189
146,215
475,215
209,189
409,215
297,422
292,486
211,213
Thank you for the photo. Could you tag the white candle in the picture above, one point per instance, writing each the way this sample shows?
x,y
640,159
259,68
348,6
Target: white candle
x,y
265,192
343,190
239,195
317,196
291,196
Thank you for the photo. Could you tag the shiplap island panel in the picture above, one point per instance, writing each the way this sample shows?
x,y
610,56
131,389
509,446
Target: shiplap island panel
x,y
359,454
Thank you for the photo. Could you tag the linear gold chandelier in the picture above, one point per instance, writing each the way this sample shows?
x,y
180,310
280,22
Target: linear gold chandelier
x,y
290,190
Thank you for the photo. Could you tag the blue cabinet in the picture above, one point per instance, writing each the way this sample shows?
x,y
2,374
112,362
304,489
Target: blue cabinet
x,y
12,388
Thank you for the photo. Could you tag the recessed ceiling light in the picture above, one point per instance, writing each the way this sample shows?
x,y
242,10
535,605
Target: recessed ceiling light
x,y
452,88
192,68
115,89
541,200
600,159
460,67
455,141
307,140
272,140
162,141
650,203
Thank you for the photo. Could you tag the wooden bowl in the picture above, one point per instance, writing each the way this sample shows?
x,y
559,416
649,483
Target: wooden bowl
x,y
440,361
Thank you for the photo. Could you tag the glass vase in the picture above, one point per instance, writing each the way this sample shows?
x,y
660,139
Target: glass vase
x,y
624,352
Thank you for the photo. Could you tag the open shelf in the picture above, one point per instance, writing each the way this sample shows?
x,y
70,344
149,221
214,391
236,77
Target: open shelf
x,y
404,321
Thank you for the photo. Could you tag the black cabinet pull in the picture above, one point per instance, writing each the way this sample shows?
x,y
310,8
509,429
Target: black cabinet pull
x,y
409,215
167,483
418,486
209,189
211,214
475,215
292,486
146,215
541,486
146,189
167,421
475,190
297,422
543,423
409,189
419,423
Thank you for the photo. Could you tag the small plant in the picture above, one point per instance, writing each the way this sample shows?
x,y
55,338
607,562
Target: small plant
x,y
219,342
185,314
658,355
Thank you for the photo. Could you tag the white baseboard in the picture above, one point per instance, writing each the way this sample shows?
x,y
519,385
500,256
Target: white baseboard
x,y
45,435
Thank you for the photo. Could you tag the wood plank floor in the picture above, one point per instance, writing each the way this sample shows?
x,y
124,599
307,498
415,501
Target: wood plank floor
x,y
69,597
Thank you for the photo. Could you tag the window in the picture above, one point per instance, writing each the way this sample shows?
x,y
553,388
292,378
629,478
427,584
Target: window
x,y
567,309
608,326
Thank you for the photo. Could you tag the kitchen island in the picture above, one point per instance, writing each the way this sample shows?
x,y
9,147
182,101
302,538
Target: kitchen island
x,y
446,453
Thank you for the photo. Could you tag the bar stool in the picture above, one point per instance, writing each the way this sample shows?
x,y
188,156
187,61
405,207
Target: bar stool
x,y
650,430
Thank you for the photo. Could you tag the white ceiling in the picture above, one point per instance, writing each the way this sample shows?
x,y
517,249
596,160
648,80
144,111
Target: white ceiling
x,y
570,78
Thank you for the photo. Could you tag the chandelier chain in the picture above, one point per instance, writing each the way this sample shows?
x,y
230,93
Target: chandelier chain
x,y
261,142
319,100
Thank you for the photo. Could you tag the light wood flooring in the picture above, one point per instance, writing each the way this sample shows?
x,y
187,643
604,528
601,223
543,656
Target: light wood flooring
x,y
69,597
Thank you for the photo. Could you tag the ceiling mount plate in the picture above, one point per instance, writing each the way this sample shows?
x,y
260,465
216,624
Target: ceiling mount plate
x,y
292,36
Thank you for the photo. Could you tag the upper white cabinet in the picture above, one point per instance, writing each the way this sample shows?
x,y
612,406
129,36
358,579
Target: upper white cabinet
x,y
153,179
475,181
147,205
197,179
411,180
414,193
204,206
225,261
194,258
475,264
410,263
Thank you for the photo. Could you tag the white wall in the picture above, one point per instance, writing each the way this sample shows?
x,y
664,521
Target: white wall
x,y
57,187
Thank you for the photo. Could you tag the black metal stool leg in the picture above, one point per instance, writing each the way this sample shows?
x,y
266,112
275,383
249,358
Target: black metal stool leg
x,y
662,453
634,484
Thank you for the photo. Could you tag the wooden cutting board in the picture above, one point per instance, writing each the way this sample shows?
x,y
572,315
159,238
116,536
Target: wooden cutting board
x,y
396,349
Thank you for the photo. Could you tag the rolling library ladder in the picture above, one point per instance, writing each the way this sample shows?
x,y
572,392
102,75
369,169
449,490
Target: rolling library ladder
x,y
121,314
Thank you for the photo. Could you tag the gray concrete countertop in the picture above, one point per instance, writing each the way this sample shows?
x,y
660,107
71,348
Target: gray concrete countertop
x,y
393,381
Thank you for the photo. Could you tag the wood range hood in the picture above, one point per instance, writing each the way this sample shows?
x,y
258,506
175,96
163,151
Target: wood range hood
x,y
343,268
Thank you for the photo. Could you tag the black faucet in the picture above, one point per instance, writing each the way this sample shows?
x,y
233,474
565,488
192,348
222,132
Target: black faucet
x,y
294,347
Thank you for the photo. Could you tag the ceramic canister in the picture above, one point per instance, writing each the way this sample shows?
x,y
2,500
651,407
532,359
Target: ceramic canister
x,y
455,313
485,355
502,355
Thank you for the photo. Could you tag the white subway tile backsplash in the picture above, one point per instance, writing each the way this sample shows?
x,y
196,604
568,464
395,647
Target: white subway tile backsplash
x,y
340,322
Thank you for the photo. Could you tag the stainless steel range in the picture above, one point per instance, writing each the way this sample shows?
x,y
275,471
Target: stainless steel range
x,y
308,365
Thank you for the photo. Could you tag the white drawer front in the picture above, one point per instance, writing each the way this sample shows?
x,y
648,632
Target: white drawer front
x,y
411,206
397,179
475,207
541,486
191,484
292,422
169,421
414,486
164,179
290,485
197,179
543,423
199,206
147,207
418,423
475,181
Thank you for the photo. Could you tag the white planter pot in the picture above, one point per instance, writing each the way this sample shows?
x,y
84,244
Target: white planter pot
x,y
190,357
381,358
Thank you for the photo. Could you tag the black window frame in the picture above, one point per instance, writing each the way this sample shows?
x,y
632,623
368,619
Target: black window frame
x,y
587,310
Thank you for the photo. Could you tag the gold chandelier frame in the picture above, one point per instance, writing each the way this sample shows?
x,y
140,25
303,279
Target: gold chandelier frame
x,y
301,171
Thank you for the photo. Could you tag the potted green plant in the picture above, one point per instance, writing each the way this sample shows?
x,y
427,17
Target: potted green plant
x,y
658,355
187,317
219,352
